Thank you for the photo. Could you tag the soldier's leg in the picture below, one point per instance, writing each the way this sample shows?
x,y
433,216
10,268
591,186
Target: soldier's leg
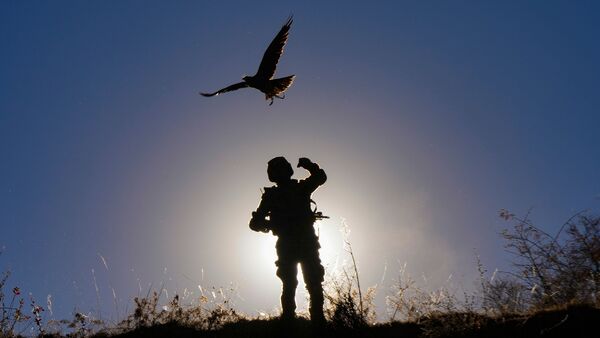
x,y
287,271
314,274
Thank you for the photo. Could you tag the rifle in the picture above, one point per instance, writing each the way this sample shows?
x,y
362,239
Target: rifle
x,y
318,215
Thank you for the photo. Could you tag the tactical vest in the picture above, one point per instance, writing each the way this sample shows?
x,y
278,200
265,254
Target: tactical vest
x,y
290,210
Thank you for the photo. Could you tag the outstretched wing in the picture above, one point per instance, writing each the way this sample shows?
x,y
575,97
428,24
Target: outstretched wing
x,y
227,89
267,67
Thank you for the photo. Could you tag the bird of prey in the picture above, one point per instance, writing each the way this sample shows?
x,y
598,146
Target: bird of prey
x,y
263,79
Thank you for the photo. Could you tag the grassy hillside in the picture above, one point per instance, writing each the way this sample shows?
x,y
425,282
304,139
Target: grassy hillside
x,y
572,321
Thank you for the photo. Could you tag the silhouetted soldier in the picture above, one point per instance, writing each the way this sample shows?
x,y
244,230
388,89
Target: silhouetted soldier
x,y
285,209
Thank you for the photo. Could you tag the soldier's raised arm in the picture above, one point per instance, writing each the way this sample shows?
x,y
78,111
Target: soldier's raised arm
x,y
317,175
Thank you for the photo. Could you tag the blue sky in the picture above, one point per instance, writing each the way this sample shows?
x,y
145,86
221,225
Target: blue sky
x,y
427,117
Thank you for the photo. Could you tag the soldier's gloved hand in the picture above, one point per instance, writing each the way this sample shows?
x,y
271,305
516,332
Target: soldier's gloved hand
x,y
304,162
256,224
259,225
253,226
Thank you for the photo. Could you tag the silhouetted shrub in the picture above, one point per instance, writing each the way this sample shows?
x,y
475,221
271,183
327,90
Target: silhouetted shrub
x,y
207,315
346,307
550,269
13,320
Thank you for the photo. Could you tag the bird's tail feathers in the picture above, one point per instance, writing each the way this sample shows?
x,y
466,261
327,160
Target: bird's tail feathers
x,y
280,85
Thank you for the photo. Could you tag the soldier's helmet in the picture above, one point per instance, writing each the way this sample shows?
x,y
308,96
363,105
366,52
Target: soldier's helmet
x,y
279,170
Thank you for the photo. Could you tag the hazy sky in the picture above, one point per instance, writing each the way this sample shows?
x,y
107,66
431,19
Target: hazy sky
x,y
428,118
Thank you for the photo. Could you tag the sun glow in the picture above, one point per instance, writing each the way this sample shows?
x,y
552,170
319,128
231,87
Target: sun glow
x,y
262,248
331,242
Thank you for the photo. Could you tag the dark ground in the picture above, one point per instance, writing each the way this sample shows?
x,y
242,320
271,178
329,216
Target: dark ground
x,y
571,321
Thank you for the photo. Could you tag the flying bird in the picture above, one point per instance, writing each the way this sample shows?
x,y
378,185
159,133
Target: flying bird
x,y
263,79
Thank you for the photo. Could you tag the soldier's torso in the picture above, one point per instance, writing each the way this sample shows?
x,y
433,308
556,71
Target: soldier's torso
x,y
290,213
